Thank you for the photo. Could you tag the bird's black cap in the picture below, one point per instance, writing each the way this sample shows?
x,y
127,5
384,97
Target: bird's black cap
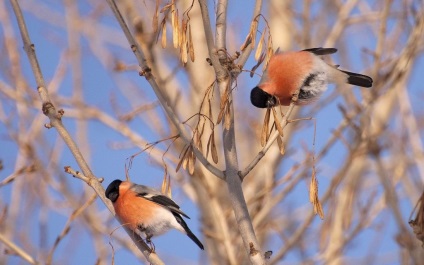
x,y
112,191
262,99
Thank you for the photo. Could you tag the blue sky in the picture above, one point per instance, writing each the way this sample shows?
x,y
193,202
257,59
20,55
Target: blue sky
x,y
107,162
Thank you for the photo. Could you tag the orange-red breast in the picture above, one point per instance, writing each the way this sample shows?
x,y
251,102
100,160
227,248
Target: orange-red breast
x,y
147,211
303,70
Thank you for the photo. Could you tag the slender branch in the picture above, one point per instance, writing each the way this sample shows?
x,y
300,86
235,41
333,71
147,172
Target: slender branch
x,y
18,251
221,28
246,53
55,121
224,81
271,140
146,71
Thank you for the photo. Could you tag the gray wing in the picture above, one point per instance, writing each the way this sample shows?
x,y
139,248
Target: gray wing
x,y
158,198
321,51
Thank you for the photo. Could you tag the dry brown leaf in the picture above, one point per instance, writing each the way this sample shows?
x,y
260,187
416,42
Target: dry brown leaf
x,y
265,128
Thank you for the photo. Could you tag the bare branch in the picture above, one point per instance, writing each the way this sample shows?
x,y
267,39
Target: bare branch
x,y
146,72
17,250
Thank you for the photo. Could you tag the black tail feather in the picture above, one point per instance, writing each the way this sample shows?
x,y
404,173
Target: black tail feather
x,y
358,79
195,239
188,231
321,51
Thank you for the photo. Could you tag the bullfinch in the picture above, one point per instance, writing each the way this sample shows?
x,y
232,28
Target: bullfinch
x,y
147,211
288,72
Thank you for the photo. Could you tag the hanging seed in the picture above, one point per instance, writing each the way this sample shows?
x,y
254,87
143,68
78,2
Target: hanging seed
x,y
191,161
210,112
214,152
182,158
183,47
277,123
261,59
250,39
155,22
281,145
209,145
260,46
190,44
163,40
265,127
220,115
175,28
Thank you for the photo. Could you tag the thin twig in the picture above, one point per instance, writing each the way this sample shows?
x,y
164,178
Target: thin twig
x,y
146,72
55,121
243,220
271,140
17,250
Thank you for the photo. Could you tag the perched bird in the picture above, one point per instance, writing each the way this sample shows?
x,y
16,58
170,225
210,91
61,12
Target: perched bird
x,y
305,71
147,211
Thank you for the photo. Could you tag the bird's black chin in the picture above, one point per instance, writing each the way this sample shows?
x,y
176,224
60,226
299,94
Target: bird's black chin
x,y
113,196
262,99
271,102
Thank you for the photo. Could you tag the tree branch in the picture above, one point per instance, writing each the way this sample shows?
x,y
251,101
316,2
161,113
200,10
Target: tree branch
x,y
146,72
55,121
271,140
17,250
224,81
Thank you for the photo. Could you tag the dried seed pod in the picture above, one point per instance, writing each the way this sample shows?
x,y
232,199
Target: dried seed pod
x,y
281,145
190,45
191,161
214,152
182,158
175,28
265,128
260,46
163,40
313,196
155,21
277,123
